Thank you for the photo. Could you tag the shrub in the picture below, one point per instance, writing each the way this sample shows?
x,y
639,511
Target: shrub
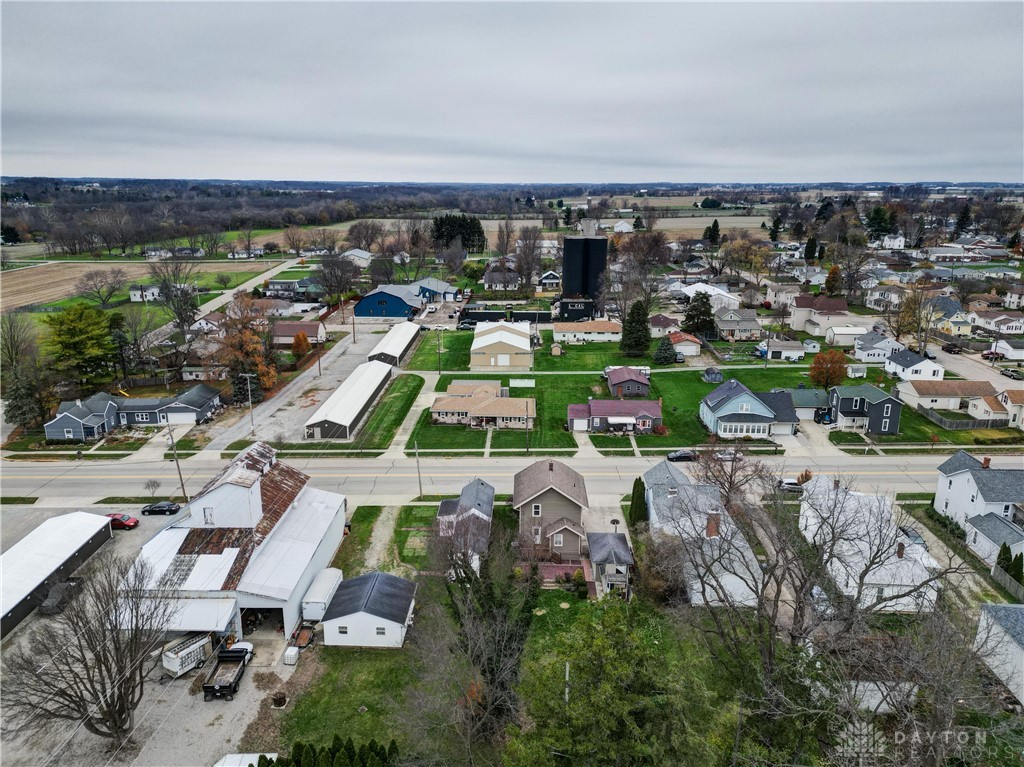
x,y
660,430
578,577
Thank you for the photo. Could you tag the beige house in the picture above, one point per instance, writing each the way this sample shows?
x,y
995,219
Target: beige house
x,y
942,395
986,408
504,345
482,404
550,499
1013,401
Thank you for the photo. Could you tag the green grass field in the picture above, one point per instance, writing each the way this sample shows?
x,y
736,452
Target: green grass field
x,y
351,555
914,427
454,350
388,414
590,356
443,436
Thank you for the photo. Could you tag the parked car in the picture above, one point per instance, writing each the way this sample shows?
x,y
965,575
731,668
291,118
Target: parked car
x,y
161,507
790,486
122,522
951,349
431,309
926,354
728,455
913,535
464,326
1013,373
681,455
440,327
991,355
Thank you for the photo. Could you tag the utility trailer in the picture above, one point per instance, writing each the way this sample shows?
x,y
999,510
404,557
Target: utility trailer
x,y
185,653
223,679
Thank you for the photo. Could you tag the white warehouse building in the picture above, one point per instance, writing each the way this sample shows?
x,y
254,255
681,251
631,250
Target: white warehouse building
x,y
395,343
256,536
340,414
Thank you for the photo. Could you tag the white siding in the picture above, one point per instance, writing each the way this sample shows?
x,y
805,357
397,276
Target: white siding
x,y
362,632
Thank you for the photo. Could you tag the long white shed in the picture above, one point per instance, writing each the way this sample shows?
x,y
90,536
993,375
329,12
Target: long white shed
x,y
340,414
395,343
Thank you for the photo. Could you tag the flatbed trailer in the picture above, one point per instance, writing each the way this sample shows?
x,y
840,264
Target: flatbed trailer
x,y
223,679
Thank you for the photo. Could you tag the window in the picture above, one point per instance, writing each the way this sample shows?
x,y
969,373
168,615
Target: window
x,y
945,505
887,411
885,425
856,403
382,302
949,485
975,537
973,497
536,535
342,629
935,373
880,593
557,540
124,418
142,416
536,509
69,434
744,407
381,631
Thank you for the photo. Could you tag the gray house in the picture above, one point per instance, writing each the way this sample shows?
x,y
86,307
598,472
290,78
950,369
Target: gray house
x,y
737,324
628,382
550,498
92,418
612,560
733,411
864,408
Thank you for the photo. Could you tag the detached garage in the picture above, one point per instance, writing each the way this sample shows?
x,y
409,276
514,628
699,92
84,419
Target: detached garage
x,y
48,554
340,414
373,610
395,344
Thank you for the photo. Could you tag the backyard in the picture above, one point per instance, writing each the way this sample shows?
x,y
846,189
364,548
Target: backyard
x,y
454,350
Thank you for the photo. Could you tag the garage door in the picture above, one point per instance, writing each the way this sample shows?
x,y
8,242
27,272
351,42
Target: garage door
x,y
504,360
579,424
181,418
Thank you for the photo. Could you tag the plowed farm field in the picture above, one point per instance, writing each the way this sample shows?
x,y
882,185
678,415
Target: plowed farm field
x,y
51,282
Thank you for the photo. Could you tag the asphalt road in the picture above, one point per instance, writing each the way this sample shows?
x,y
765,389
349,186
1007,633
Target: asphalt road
x,y
71,484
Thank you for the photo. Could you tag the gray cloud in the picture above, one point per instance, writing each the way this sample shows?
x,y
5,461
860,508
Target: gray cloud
x,y
515,92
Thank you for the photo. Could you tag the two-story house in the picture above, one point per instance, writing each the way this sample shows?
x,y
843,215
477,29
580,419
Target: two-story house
x,y
550,499
864,408
875,347
1007,323
717,562
737,324
885,297
816,314
967,487
732,411
1013,401
910,366
466,521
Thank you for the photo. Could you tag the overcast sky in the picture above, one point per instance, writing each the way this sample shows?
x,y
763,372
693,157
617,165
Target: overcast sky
x,y
515,92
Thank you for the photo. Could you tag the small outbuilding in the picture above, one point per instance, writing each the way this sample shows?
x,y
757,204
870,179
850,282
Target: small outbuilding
x,y
395,343
712,375
373,610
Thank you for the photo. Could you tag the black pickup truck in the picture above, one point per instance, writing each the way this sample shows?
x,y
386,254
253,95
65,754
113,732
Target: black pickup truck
x,y
223,679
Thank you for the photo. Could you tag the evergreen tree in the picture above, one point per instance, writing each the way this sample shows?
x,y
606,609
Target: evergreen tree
x,y
297,748
716,234
878,222
798,230
240,387
308,756
811,249
773,233
834,281
699,318
636,333
341,759
821,251
665,354
963,220
324,759
638,503
1004,560
1016,570
392,753
79,340
638,223
21,406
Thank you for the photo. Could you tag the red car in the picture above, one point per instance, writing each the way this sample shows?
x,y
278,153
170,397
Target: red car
x,y
122,522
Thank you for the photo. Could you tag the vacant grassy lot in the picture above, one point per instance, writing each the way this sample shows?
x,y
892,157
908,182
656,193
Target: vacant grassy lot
x,y
412,530
351,555
388,414
914,427
454,350
590,356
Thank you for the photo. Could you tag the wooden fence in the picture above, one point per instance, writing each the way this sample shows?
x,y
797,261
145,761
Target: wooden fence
x,y
1003,579
956,424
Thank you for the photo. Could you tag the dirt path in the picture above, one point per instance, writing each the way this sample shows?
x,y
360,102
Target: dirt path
x,y
381,538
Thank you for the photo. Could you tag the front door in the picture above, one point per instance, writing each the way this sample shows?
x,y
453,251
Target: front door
x,y
163,417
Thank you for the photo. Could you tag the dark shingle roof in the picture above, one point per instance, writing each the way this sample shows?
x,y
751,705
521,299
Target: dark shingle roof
x,y
198,396
1010,618
722,394
477,495
781,403
609,548
808,397
997,529
535,479
960,461
386,596
906,358
864,391
1000,485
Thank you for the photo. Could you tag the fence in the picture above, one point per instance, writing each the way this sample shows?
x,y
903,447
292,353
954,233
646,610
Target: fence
x,y
963,343
1003,579
956,424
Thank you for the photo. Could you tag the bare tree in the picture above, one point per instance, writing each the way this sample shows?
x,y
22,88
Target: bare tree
x,y
223,279
650,216
211,242
152,485
247,239
137,325
17,342
528,254
382,270
102,284
294,240
337,276
327,239
88,664
965,287
852,261
505,238
453,257
365,234
175,280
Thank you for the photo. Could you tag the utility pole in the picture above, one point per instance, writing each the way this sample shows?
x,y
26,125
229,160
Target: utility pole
x,y
419,477
252,421
353,324
439,337
567,683
767,349
174,451
319,354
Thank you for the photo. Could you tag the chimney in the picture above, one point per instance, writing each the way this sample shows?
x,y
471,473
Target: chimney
x,y
986,462
712,529
835,484
551,465
900,549
79,403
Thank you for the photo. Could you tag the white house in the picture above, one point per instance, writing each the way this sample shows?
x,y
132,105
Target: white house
x,y
843,335
623,227
1013,401
143,293
1010,323
466,520
1012,349
986,533
781,349
718,565
1014,298
967,488
986,408
210,324
591,330
359,257
720,299
372,610
1000,643
874,347
869,560
255,536
894,242
777,295
909,366
942,395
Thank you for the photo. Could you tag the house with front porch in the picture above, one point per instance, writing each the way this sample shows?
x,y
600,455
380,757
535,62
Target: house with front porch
x,y
885,297
483,404
732,411
550,499
956,324
864,408
600,416
737,324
